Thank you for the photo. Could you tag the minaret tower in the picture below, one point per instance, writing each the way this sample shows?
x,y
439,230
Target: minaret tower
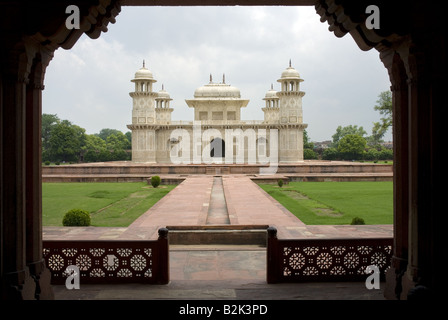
x,y
143,116
143,97
290,116
271,110
163,110
290,96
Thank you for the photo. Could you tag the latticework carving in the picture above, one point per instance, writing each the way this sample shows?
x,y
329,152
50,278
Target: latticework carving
x,y
102,261
332,259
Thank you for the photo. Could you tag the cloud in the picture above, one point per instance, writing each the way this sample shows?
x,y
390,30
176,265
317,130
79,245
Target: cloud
x,y
89,84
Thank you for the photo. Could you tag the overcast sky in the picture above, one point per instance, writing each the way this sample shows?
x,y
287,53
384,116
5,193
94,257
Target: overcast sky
x,y
89,85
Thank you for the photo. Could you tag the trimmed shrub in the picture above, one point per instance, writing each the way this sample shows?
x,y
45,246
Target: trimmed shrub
x,y
155,181
280,182
357,220
76,218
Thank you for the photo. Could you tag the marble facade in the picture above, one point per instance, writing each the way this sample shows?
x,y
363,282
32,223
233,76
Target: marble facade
x,y
217,134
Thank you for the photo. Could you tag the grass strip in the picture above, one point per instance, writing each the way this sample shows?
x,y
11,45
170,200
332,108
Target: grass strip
x,y
371,201
110,204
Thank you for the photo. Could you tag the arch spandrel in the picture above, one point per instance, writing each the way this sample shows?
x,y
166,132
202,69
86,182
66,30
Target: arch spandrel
x,y
348,16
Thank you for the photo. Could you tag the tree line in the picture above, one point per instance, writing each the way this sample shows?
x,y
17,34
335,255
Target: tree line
x,y
352,142
65,142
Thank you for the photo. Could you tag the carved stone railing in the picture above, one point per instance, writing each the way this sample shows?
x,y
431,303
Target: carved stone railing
x,y
301,260
109,261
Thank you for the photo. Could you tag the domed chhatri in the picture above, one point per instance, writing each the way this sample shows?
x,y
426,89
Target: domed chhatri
x,y
217,107
290,74
143,73
271,94
163,93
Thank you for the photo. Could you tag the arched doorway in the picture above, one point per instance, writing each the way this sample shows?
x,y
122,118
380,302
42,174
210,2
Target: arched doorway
x,y
217,148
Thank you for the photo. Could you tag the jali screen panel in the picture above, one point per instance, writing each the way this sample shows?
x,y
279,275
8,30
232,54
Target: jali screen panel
x,y
327,259
107,261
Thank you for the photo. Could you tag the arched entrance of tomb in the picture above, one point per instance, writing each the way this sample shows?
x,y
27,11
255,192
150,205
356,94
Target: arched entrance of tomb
x,y
412,45
217,148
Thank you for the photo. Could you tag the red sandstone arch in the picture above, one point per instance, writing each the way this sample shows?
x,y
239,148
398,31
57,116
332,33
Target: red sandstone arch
x,y
412,46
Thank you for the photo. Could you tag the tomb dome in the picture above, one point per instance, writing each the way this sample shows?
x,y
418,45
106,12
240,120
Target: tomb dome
x,y
217,90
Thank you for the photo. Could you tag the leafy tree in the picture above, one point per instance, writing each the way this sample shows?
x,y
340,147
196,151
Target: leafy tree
x,y
371,154
384,106
386,154
352,146
117,144
106,132
117,141
309,154
94,149
330,154
80,134
48,123
129,136
341,132
306,141
308,147
66,141
378,133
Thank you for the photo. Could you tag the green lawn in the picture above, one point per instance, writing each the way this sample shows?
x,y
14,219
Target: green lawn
x,y
109,204
330,203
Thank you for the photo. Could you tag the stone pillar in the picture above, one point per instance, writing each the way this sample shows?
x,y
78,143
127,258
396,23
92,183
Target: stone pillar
x,y
420,184
272,256
424,61
17,282
33,197
164,259
399,88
